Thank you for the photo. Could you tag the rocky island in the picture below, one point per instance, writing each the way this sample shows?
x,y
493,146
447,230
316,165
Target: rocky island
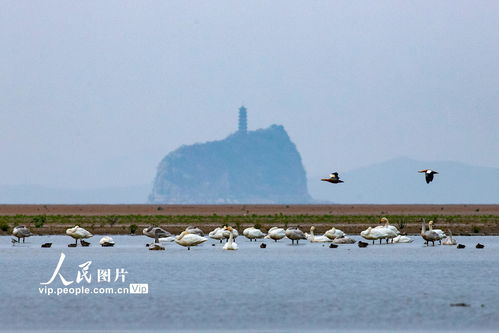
x,y
261,166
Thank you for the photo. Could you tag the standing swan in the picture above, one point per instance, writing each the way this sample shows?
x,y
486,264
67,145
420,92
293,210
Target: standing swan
x,y
230,245
373,234
21,232
253,233
439,232
428,236
295,234
217,233
276,233
388,225
78,233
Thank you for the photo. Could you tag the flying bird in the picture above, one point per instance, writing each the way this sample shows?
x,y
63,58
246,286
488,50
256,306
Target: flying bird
x,y
428,174
333,178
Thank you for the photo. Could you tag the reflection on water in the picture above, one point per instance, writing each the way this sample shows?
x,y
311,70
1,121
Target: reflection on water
x,y
280,288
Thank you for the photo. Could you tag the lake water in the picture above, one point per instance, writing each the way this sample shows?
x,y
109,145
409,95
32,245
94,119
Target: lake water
x,y
310,287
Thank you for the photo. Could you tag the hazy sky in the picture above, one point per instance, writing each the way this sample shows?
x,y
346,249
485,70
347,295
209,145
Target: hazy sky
x,y
95,93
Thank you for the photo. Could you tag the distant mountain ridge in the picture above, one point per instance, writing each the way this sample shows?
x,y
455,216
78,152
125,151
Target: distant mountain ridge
x,y
394,181
397,181
261,166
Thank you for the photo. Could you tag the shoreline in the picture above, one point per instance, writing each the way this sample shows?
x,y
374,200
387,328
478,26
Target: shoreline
x,y
465,219
105,223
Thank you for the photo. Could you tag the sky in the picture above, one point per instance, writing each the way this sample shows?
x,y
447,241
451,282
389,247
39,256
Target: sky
x,y
96,93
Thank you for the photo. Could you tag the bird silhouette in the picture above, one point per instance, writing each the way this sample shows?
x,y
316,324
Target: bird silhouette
x,y
334,178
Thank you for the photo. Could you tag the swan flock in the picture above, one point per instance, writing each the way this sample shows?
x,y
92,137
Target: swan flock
x,y
193,236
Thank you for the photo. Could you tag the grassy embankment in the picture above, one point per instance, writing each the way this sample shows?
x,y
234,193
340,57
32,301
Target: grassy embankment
x,y
352,224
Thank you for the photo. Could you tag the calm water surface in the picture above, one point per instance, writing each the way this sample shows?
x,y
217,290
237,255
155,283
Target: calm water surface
x,y
309,287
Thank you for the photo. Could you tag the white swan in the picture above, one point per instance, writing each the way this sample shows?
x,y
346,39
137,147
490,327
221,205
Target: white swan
x,y
106,241
223,233
295,234
402,239
253,233
388,226
449,240
334,233
78,233
187,239
21,232
194,230
166,239
227,233
389,233
439,232
217,233
373,234
231,244
276,233
316,239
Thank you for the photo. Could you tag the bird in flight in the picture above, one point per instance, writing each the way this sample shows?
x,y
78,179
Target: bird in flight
x,y
428,174
333,178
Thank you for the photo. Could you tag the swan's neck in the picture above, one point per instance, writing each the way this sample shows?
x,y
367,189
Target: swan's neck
x,y
230,238
423,228
312,232
430,227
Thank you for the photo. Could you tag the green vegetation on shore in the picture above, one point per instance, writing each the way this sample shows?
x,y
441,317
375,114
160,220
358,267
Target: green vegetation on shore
x,y
130,224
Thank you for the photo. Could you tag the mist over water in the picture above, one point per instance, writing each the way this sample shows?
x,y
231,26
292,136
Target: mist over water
x,y
282,287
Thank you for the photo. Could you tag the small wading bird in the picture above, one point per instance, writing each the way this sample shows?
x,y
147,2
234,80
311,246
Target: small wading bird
x,y
333,178
428,174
